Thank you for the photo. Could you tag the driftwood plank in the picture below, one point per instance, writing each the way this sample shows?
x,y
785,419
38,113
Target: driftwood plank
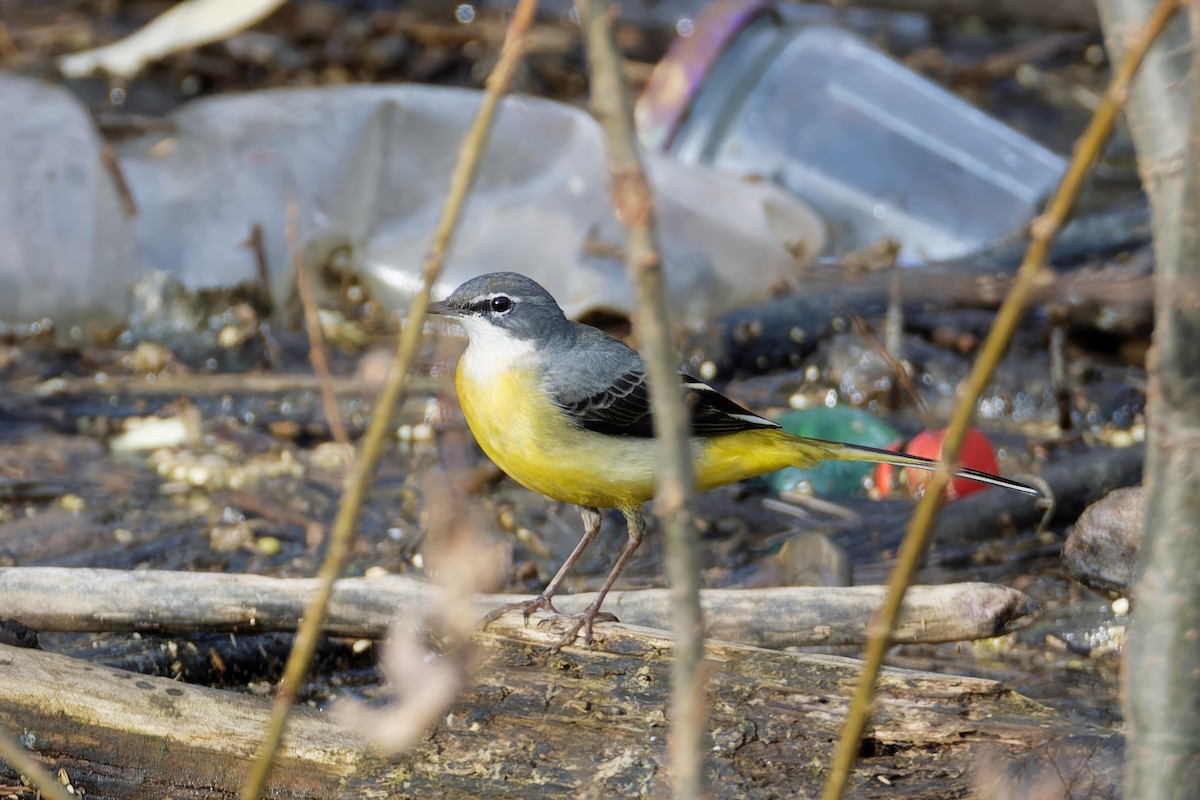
x,y
65,599
586,722
124,735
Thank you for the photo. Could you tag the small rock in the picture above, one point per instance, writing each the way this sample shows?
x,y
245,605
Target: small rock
x,y
1102,549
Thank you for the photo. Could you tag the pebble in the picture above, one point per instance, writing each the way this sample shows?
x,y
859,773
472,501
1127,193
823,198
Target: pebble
x,y
1101,551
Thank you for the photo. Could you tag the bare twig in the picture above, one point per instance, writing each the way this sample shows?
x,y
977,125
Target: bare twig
x,y
249,383
112,165
634,204
470,155
256,244
312,323
423,687
25,764
917,537
885,354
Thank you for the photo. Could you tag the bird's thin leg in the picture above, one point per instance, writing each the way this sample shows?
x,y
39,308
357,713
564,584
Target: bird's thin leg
x,y
591,527
584,620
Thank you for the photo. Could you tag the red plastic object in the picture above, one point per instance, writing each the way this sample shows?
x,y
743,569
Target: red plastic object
x,y
976,453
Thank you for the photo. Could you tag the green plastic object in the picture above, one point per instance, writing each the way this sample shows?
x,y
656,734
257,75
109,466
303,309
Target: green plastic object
x,y
839,424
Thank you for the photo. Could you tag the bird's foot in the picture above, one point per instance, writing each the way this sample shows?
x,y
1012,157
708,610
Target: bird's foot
x,y
527,607
583,621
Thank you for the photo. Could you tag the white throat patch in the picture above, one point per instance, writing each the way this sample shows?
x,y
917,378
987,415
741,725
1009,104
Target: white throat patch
x,y
492,351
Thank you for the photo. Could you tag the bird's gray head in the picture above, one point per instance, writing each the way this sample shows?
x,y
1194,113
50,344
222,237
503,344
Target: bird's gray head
x,y
503,301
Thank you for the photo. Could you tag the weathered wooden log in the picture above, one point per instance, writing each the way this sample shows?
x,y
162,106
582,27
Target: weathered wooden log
x,y
586,722
66,599
123,735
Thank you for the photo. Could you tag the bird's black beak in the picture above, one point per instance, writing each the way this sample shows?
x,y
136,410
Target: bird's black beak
x,y
441,308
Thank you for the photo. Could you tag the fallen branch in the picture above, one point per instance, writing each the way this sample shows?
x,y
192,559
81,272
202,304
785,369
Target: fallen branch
x,y
66,599
583,723
123,735
1074,484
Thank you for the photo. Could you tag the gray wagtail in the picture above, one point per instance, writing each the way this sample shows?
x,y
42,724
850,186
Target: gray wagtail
x,y
564,409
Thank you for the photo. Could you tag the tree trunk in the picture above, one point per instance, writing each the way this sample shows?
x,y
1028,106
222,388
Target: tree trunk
x,y
1162,666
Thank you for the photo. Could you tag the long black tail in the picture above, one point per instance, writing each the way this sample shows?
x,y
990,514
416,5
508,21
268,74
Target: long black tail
x,y
855,452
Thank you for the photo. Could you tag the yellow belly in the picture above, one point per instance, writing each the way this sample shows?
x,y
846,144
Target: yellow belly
x,y
534,444
737,456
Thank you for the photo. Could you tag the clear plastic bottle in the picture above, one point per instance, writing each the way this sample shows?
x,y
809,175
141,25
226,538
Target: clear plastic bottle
x,y
875,148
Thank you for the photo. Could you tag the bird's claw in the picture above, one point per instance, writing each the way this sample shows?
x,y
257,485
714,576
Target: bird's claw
x,y
527,607
584,621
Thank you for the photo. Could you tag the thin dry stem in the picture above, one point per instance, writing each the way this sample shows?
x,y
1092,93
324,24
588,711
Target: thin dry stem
x,y
23,763
917,537
470,155
893,364
112,165
312,324
255,244
205,385
633,202
423,686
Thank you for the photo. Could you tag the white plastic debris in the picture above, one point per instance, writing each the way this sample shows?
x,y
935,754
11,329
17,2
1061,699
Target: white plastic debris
x,y
188,24
368,168
66,243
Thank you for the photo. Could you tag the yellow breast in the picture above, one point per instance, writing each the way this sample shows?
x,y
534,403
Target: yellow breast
x,y
526,436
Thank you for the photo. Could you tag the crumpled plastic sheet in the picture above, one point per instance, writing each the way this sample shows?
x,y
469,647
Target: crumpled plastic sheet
x,y
66,244
368,167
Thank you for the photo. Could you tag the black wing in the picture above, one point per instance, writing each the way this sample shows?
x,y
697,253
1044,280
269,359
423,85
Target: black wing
x,y
623,409
713,413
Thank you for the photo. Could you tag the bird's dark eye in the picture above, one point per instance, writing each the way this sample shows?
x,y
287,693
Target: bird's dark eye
x,y
501,304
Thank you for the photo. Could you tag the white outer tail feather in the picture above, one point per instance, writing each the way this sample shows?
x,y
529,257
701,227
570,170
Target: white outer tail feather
x,y
857,452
